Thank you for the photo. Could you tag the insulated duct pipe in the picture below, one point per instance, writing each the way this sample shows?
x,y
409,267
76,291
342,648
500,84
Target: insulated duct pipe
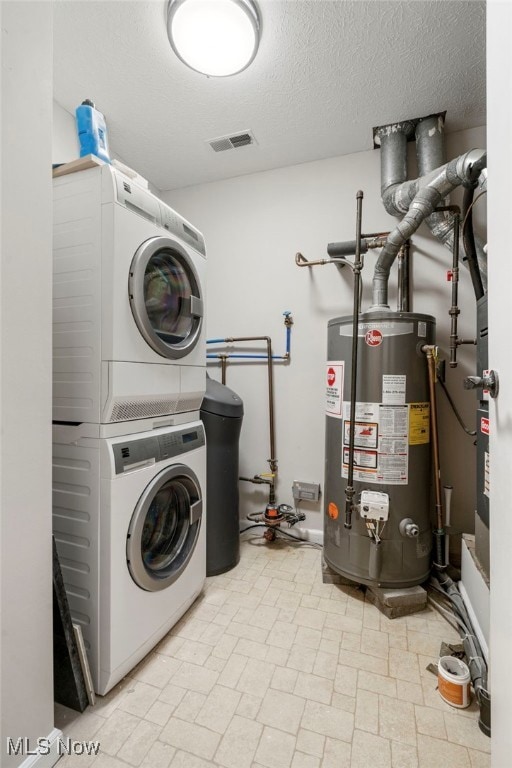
x,y
418,199
431,154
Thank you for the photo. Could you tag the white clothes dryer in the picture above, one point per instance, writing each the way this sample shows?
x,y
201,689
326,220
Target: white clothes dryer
x,y
129,524
129,297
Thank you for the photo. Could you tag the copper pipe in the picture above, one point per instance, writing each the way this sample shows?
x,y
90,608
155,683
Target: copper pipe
x,y
272,460
301,261
429,352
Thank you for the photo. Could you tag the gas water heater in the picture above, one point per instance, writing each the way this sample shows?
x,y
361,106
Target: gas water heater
x,y
388,540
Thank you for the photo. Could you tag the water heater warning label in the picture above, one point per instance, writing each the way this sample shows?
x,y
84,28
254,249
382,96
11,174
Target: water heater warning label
x,y
381,443
393,389
365,434
334,388
419,423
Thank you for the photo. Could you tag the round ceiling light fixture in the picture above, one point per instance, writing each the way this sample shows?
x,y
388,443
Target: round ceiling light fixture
x,y
214,37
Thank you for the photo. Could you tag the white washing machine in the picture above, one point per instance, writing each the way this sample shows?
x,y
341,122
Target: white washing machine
x,y
128,297
130,528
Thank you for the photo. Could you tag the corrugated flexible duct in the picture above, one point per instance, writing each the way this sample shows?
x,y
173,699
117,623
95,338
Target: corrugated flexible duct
x,y
416,199
431,154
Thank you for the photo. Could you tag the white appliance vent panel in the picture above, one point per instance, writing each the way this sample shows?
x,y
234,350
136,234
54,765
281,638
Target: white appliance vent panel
x,y
142,408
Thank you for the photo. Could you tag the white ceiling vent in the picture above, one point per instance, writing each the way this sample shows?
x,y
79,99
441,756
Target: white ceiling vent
x,y
233,141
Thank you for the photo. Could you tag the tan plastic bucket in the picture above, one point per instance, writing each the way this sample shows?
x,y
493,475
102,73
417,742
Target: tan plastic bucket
x,y
454,680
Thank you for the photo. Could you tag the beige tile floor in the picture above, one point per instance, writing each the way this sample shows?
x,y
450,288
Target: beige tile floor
x,y
271,668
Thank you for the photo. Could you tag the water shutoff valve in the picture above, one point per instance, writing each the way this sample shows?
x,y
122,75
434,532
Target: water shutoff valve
x,y
409,528
374,505
489,381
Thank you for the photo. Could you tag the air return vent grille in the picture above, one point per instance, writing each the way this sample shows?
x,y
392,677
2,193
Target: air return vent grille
x,y
233,141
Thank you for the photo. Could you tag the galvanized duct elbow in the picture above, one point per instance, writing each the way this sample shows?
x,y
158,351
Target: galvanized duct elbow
x,y
419,198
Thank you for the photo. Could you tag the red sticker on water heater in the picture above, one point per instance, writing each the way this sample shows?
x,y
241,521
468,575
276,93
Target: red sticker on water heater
x,y
373,337
484,425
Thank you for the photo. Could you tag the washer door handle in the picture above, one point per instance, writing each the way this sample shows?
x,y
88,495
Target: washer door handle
x,y
196,510
196,306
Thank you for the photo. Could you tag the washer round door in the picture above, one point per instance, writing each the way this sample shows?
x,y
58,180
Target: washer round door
x,y
164,528
165,297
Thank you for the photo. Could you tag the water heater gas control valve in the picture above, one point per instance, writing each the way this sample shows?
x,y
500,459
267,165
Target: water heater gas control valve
x,y
374,505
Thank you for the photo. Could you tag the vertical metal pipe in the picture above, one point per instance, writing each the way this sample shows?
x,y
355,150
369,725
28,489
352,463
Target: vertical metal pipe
x,y
349,489
400,286
406,277
223,366
230,339
403,296
454,310
272,460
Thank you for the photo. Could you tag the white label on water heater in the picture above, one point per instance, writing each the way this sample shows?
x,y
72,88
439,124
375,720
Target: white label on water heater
x,y
381,454
334,388
393,389
386,327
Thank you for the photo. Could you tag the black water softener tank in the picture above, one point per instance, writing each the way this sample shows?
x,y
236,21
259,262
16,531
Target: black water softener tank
x,y
221,413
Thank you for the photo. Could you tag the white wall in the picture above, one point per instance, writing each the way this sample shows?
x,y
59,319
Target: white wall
x,y
499,87
25,378
64,140
253,226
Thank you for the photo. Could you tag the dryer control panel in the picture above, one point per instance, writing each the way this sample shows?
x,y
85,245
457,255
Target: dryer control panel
x,y
133,453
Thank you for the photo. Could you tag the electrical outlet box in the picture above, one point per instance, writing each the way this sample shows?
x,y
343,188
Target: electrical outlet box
x,y
374,505
305,491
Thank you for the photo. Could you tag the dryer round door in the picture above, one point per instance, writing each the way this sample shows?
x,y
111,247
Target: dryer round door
x,y
164,528
165,297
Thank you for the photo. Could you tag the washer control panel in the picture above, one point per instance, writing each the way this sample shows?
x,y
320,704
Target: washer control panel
x,y
133,453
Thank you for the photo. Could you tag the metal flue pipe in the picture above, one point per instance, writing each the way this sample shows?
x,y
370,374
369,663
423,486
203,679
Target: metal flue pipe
x,y
393,153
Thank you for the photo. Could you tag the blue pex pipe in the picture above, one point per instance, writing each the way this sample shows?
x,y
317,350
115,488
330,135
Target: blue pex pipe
x,y
249,356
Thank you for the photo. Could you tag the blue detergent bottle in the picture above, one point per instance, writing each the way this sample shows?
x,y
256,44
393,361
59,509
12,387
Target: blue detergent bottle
x,y
92,131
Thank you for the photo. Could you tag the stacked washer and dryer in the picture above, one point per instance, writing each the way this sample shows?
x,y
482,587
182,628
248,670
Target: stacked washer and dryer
x,y
129,453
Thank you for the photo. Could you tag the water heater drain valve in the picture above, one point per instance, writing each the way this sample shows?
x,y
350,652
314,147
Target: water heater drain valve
x,y
374,505
409,528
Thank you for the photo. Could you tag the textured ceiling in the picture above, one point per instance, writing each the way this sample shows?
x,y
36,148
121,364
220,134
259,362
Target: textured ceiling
x,y
327,71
